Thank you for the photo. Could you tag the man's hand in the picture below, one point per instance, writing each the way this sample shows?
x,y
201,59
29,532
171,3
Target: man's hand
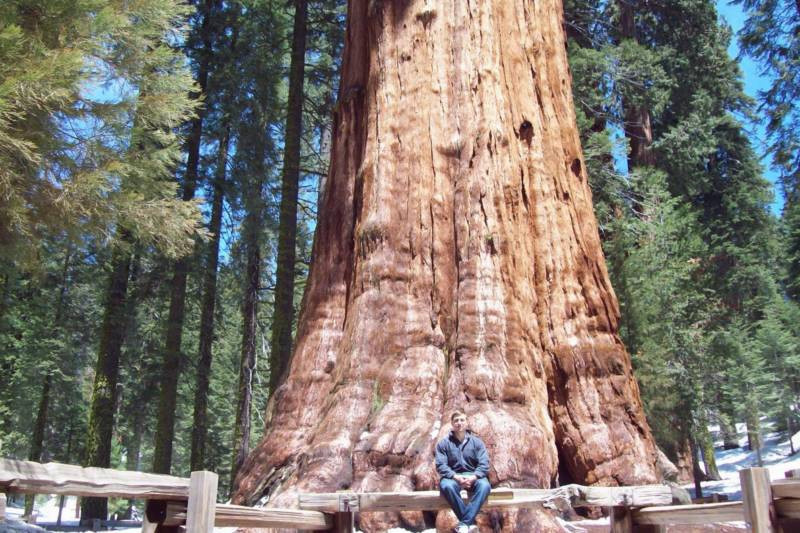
x,y
465,482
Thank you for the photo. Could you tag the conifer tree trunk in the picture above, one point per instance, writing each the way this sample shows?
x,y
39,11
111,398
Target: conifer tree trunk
x,y
252,149
241,430
684,460
754,432
705,445
697,472
104,393
283,316
457,264
638,129
200,425
727,426
37,438
165,424
133,445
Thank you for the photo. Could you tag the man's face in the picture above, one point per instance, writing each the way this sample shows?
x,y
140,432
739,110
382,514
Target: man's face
x,y
459,423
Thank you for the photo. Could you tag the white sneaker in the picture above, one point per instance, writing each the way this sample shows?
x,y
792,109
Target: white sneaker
x,y
472,529
461,528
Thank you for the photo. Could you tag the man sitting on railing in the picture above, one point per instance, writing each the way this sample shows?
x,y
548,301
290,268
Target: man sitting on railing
x,y
462,463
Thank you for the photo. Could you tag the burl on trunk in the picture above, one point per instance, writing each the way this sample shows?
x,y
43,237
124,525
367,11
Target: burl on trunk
x,y
457,264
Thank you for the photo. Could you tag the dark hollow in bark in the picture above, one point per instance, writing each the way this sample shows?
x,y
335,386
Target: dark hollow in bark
x,y
455,265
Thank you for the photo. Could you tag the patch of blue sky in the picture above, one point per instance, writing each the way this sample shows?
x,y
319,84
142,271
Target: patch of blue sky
x,y
754,81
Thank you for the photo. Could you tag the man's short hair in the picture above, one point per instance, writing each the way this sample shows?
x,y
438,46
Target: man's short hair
x,y
457,412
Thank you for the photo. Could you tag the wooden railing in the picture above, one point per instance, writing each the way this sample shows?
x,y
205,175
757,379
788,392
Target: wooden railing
x,y
173,501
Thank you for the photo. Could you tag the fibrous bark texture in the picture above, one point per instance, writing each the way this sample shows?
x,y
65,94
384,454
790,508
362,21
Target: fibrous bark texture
x,y
457,264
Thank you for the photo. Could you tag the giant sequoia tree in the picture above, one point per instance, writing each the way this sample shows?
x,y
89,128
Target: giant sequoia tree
x,y
456,264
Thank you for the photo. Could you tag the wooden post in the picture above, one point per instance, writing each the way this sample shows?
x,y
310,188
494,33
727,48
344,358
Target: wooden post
x,y
343,523
757,499
621,520
202,502
147,525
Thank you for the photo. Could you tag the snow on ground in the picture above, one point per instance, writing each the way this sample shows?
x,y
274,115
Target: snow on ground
x,y
774,454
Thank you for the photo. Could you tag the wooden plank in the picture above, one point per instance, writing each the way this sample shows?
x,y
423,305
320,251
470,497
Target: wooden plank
x,y
57,478
255,517
757,499
788,508
388,501
576,495
639,496
649,528
202,502
786,488
707,513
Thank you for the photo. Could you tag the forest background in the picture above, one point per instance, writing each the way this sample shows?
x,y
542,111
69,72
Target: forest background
x,y
160,166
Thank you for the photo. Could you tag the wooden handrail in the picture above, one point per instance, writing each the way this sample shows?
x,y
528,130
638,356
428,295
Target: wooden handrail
x,y
239,516
58,478
330,511
786,488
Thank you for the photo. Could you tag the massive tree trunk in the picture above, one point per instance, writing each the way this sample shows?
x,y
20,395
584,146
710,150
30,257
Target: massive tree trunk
x,y
457,263
283,316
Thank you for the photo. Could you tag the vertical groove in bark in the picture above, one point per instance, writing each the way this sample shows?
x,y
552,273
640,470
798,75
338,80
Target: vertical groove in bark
x,y
165,426
456,264
104,393
200,417
283,316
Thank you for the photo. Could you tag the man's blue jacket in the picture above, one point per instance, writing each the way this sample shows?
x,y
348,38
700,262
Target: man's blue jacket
x,y
468,456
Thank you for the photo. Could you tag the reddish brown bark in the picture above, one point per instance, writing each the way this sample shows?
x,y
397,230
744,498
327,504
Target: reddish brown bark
x,y
456,264
638,128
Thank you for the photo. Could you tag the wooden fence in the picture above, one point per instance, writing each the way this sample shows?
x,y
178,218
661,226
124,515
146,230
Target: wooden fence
x,y
179,503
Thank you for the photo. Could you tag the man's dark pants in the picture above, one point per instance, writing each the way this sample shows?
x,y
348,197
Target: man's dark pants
x,y
466,514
